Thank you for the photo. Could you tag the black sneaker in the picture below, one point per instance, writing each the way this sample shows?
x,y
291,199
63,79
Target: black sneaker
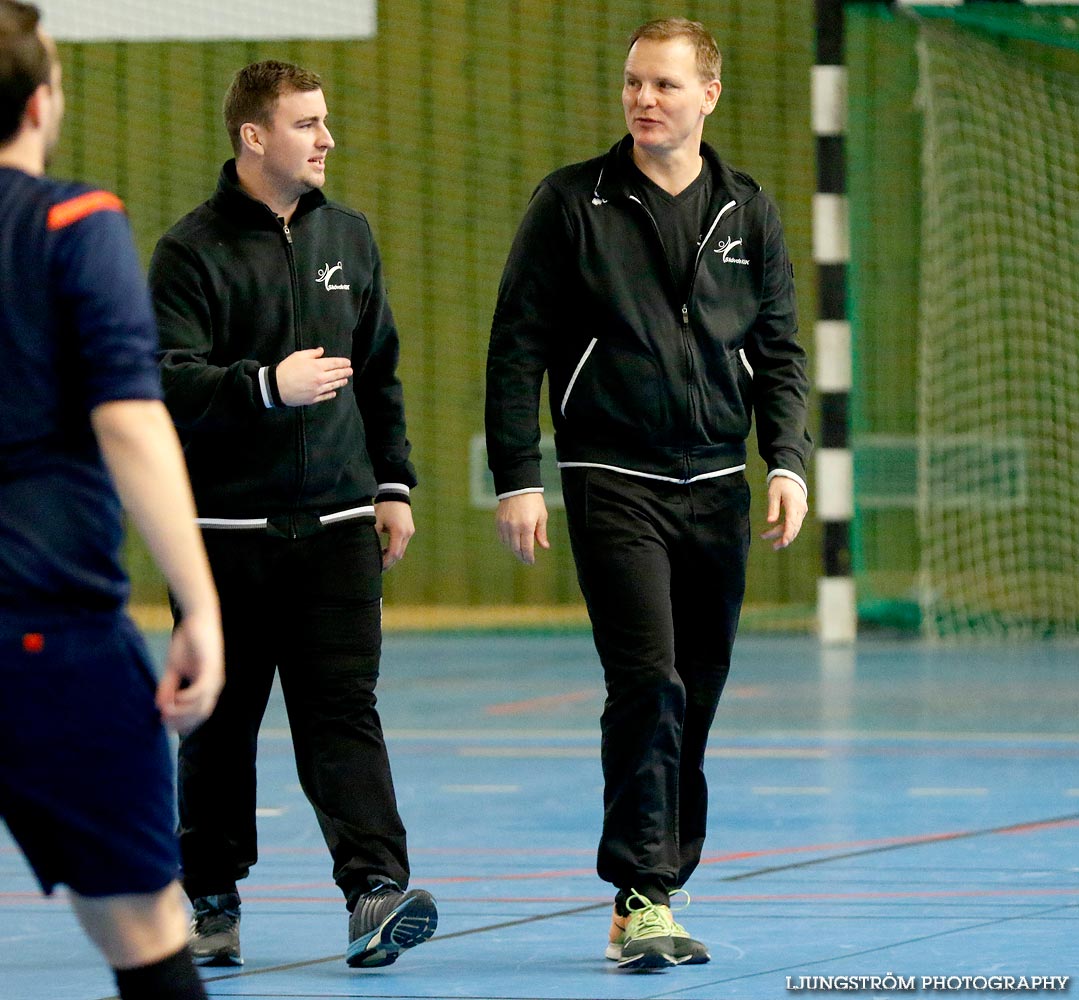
x,y
215,930
385,922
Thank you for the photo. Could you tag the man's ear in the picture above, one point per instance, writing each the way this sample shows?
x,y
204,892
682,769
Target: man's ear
x,y
34,114
251,138
711,97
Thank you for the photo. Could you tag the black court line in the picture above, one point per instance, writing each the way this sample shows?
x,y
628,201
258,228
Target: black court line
x,y
933,838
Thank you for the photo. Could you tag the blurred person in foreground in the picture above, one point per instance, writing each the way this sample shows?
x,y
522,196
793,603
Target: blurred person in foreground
x,y
652,285
86,784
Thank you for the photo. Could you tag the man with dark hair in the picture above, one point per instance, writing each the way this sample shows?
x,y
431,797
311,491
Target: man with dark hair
x,y
253,95
653,286
85,776
25,65
279,361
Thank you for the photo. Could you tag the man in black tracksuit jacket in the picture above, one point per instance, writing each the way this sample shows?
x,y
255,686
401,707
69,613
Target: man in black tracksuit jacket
x,y
653,286
279,358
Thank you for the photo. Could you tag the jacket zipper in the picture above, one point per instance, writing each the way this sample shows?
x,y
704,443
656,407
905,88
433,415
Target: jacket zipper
x,y
686,340
301,436
689,295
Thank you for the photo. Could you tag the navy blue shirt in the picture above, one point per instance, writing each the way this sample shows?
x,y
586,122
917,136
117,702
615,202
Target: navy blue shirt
x,y
76,331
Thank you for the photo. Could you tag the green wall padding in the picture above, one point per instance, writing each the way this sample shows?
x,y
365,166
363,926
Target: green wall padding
x,y
444,124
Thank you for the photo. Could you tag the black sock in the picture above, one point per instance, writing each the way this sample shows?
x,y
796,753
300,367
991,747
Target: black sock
x,y
173,978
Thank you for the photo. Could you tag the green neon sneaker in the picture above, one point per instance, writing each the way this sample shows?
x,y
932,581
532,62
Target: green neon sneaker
x,y
643,939
687,950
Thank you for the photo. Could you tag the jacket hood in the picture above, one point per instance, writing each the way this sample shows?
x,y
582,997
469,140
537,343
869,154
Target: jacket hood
x,y
613,179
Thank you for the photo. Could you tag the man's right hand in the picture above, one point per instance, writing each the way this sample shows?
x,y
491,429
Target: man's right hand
x,y
307,377
521,521
194,672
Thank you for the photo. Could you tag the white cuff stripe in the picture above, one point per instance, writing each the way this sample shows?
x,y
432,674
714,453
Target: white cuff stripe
x,y
264,385
787,474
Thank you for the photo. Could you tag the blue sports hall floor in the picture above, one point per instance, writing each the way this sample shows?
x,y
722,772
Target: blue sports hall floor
x,y
892,811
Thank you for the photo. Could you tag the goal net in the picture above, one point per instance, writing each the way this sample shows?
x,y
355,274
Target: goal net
x,y
997,430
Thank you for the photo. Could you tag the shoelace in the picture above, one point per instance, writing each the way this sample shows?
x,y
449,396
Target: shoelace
x,y
678,928
650,917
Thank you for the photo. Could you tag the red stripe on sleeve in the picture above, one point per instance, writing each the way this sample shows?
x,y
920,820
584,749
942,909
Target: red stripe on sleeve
x,y
67,212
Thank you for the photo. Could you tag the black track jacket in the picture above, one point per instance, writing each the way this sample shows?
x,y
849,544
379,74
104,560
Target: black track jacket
x,y
643,378
236,292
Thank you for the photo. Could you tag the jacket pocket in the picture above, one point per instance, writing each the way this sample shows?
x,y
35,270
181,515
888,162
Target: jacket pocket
x,y
576,373
613,390
726,398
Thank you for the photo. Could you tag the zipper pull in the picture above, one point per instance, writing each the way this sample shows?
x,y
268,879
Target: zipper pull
x,y
685,317
288,234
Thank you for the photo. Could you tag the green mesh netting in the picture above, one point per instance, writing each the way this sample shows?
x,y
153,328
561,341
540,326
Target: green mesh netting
x,y
965,308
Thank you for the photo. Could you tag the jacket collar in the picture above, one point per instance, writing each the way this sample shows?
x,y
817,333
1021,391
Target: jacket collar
x,y
232,200
614,181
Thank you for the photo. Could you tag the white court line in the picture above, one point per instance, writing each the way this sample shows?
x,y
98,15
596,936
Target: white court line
x,y
270,811
482,789
576,753
947,792
786,753
791,790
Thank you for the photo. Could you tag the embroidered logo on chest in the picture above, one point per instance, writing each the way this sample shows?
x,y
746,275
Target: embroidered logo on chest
x,y
326,274
727,247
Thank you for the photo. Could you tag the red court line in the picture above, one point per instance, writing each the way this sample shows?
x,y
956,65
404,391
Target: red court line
x,y
856,846
1033,827
716,859
484,852
547,703
852,845
861,846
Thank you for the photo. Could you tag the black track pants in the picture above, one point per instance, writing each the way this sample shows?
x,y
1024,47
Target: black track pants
x,y
311,608
662,568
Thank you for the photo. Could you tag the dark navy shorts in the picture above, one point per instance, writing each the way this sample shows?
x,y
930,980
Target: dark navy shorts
x,y
86,781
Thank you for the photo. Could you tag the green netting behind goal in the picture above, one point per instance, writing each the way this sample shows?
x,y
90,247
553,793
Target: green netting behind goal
x,y
965,304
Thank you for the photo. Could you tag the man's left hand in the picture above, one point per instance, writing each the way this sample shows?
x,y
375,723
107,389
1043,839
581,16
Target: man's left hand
x,y
393,519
